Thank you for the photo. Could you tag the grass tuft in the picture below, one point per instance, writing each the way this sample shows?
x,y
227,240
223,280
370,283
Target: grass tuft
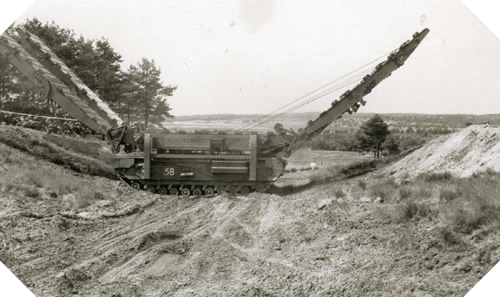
x,y
410,209
405,192
383,190
448,194
424,192
436,177
31,192
450,237
339,193
359,168
464,205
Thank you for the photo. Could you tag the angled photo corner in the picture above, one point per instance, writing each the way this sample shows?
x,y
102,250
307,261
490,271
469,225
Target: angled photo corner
x,y
229,150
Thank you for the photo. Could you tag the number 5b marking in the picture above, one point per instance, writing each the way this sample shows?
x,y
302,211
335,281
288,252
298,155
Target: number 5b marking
x,y
169,171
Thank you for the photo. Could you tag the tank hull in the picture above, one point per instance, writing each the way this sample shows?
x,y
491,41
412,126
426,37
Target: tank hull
x,y
199,164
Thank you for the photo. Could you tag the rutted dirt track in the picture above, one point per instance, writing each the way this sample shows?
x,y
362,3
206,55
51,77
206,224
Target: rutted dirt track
x,y
312,243
243,246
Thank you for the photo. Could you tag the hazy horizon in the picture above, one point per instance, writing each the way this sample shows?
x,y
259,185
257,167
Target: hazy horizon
x,y
253,56
366,113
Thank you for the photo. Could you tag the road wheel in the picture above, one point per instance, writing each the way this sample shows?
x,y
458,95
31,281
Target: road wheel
x,y
209,191
244,191
197,192
136,186
221,189
151,189
174,192
162,191
260,187
185,192
233,190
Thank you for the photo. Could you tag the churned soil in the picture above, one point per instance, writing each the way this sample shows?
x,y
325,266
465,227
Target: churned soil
x,y
332,239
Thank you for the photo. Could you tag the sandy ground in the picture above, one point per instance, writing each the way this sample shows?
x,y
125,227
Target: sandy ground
x,y
301,245
315,242
474,149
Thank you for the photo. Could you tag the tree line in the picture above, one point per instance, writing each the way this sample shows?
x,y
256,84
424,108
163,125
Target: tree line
x,y
373,135
137,94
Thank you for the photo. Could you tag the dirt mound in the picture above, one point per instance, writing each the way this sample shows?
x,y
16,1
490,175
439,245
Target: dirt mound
x,y
473,149
84,155
70,234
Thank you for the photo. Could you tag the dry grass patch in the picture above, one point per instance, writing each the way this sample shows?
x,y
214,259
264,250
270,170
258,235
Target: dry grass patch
x,y
462,205
32,181
410,209
66,151
436,177
362,184
474,202
448,193
405,192
339,193
424,192
384,190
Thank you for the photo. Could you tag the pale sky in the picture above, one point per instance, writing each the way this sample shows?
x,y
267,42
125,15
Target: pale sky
x,y
253,56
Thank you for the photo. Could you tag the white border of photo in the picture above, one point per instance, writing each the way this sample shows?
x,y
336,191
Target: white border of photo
x,y
485,10
11,10
10,285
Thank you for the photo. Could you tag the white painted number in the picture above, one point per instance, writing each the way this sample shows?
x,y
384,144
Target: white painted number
x,y
169,171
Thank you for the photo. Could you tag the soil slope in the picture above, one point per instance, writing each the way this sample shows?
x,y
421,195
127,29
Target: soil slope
x,y
330,240
473,149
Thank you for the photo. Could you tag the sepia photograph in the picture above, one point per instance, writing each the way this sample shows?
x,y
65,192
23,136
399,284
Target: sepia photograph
x,y
260,148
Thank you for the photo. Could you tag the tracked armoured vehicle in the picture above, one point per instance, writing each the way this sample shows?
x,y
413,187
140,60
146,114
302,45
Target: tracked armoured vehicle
x,y
185,163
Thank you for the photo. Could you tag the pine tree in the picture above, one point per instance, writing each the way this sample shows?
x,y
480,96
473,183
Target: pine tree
x,y
148,92
109,77
95,62
391,145
372,135
138,95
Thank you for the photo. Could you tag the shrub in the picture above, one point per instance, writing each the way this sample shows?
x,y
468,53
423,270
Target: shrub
x,y
424,192
31,192
405,181
411,209
379,191
362,184
468,217
85,197
464,221
339,193
34,178
478,204
384,189
359,168
405,192
84,193
491,171
450,237
326,174
56,185
437,177
447,194
408,210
